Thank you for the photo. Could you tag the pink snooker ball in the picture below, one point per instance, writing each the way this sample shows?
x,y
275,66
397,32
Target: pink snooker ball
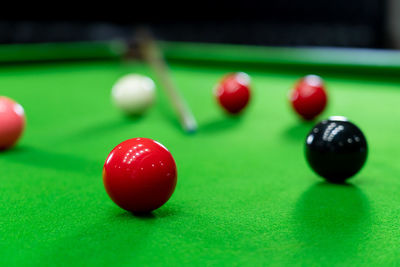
x,y
12,122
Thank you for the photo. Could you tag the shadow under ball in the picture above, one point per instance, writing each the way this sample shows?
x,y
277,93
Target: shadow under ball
x,y
336,149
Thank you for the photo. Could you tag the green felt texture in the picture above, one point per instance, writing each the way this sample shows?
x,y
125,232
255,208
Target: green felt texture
x,y
245,195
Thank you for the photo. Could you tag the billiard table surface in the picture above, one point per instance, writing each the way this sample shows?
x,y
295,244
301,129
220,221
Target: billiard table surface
x,y
245,194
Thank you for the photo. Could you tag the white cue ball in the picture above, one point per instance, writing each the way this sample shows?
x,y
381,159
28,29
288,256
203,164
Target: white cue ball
x,y
133,93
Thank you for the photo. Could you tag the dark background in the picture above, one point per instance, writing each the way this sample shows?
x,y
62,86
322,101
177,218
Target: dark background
x,y
342,23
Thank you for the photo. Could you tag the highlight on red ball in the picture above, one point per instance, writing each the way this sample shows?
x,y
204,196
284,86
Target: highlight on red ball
x,y
140,175
309,97
12,121
233,92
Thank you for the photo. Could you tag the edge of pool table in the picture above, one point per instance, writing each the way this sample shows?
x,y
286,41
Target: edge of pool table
x,y
357,59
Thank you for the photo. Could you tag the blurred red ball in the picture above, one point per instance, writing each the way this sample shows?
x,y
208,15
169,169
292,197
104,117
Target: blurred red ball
x,y
233,92
12,122
309,97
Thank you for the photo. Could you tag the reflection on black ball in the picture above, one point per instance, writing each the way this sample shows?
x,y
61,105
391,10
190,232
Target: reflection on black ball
x,y
336,149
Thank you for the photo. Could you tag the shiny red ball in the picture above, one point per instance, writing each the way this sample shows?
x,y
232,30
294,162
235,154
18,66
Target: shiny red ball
x,y
309,97
233,92
140,175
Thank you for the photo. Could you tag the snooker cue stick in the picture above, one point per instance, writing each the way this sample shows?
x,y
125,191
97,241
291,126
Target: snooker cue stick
x,y
153,55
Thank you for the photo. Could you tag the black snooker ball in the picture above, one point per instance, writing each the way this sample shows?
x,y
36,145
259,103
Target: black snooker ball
x,y
336,149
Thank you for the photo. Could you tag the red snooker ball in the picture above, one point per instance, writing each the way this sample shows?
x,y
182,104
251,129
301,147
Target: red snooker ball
x,y
233,92
140,175
12,122
309,97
